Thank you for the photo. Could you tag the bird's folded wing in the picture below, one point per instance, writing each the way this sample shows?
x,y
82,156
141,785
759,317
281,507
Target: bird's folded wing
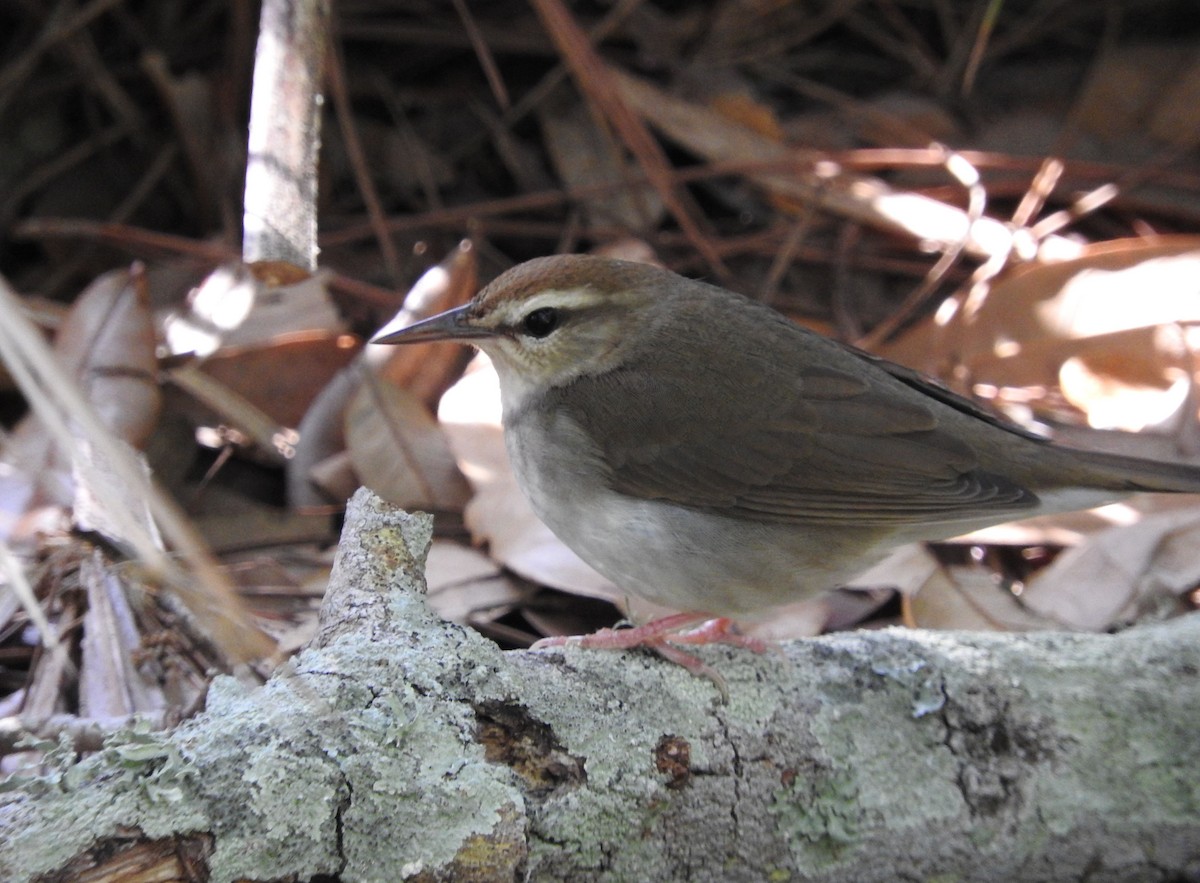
x,y
828,445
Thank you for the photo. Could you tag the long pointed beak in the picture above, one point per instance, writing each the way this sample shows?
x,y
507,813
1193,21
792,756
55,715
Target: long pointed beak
x,y
451,325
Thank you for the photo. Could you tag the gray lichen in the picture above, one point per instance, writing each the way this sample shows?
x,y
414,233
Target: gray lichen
x,y
402,747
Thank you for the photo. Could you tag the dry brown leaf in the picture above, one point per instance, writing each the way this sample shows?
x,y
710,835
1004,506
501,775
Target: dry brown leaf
x,y
471,412
1120,575
1176,111
585,155
1069,529
1127,380
321,437
231,409
451,563
234,523
947,597
804,619
281,376
1104,328
905,569
1129,86
741,107
231,307
872,201
480,602
465,584
1111,286
1127,388
428,369
335,477
1134,353
399,451
969,598
315,478
106,343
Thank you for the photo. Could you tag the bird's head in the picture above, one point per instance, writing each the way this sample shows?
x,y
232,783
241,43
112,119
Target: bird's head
x,y
550,320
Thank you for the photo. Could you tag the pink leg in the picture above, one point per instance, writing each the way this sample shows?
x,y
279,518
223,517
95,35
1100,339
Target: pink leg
x,y
662,636
719,631
625,639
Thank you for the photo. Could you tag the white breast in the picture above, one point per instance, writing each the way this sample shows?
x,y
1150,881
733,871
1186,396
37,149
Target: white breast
x,y
670,555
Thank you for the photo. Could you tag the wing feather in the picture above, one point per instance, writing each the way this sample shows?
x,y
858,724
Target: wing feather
x,y
806,430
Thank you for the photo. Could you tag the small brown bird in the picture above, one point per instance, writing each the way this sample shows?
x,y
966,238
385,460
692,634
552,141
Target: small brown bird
x,y
706,454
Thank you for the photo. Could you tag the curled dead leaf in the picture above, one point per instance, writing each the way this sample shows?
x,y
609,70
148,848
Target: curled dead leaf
x,y
1109,329
1122,574
428,369
399,451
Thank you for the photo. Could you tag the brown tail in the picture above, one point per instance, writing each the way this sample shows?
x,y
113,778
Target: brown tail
x,y
1123,473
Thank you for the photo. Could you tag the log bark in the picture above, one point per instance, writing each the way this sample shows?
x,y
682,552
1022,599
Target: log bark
x,y
400,747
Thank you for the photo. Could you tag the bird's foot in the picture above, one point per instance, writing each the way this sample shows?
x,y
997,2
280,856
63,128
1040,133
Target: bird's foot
x,y
662,635
679,628
721,630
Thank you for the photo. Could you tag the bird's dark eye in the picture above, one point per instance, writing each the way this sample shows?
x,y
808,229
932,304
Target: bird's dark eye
x,y
541,322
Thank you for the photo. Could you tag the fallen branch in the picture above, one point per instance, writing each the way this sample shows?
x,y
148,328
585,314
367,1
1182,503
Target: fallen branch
x,y
402,747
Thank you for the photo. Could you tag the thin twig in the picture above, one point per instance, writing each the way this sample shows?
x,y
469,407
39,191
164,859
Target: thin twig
x,y
335,74
598,84
486,60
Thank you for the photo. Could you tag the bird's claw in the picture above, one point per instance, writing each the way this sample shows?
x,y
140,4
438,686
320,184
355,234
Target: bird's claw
x,y
662,636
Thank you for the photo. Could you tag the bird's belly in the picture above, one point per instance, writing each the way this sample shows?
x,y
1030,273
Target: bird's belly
x,y
707,563
696,561
681,558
